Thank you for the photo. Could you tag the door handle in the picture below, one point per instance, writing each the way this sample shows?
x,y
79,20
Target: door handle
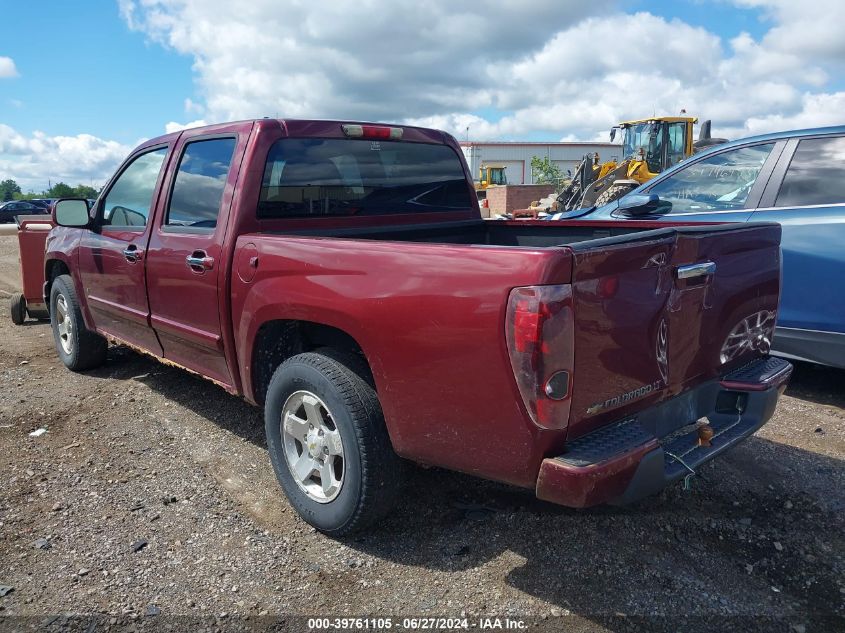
x,y
131,253
692,271
199,262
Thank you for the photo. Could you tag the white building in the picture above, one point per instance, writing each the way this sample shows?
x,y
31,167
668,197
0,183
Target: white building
x,y
516,156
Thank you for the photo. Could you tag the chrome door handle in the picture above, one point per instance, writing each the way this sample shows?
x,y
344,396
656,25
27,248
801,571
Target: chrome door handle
x,y
199,262
691,271
131,253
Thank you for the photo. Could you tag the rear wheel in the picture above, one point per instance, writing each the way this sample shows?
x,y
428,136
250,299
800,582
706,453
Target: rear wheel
x,y
78,347
17,308
328,443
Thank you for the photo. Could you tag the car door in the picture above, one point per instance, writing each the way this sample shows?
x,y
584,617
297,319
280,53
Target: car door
x,y
111,256
14,209
806,195
719,187
8,212
186,262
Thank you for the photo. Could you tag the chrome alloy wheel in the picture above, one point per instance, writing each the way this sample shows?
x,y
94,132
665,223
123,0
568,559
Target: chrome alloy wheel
x,y
64,324
754,332
312,445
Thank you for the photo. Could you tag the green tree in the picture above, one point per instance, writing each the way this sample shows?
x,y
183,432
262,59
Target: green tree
x,y
8,189
545,172
84,191
60,190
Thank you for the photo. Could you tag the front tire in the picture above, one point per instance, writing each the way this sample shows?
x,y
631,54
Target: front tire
x,y
78,347
614,192
17,308
328,442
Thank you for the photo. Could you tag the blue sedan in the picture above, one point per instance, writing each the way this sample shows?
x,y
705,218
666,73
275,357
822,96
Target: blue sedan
x,y
794,178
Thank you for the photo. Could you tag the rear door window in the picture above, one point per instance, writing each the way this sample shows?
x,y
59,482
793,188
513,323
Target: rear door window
x,y
720,182
339,177
199,184
816,174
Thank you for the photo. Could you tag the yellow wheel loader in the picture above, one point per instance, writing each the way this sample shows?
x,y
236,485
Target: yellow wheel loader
x,y
649,146
489,176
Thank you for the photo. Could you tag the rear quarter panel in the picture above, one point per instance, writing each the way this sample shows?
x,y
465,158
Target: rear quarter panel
x,y
430,320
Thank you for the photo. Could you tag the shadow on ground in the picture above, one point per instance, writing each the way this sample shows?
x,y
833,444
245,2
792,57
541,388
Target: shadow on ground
x,y
815,383
761,534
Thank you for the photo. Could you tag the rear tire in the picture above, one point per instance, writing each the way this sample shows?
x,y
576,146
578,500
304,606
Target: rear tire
x,y
78,347
17,308
328,442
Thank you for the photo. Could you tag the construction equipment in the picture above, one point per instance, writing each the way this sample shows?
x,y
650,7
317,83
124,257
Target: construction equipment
x,y
649,146
488,176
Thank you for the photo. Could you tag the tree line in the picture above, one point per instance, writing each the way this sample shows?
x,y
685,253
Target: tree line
x,y
11,190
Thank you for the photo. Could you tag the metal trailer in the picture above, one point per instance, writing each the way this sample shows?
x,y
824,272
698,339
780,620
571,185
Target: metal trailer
x,y
32,237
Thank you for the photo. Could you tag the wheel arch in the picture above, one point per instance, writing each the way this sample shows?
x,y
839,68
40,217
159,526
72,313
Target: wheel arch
x,y
277,340
53,267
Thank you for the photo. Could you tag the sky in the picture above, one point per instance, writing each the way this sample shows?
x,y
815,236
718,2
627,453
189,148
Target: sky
x,y
83,83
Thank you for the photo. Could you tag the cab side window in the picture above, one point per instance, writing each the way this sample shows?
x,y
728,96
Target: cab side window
x,y
200,181
720,182
128,202
816,174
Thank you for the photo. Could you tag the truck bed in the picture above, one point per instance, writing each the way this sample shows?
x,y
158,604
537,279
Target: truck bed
x,y
525,233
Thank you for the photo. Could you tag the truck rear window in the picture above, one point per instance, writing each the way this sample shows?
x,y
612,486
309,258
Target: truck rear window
x,y
319,177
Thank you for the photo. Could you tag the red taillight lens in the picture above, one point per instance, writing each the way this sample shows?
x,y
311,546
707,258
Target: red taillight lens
x,y
372,131
539,329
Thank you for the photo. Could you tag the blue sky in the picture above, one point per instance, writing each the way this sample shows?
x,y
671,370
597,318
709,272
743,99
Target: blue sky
x,y
88,73
104,74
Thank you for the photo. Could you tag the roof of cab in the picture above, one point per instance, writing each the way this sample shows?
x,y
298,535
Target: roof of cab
x,y
300,125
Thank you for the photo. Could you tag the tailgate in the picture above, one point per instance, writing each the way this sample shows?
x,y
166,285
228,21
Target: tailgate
x,y
660,311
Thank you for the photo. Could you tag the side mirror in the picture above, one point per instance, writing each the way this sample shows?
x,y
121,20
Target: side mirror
x,y
643,204
71,212
612,134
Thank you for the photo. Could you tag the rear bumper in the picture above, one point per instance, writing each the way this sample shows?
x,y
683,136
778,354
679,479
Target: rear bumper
x,y
640,455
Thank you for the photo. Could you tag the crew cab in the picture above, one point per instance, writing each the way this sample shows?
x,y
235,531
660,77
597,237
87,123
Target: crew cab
x,y
339,274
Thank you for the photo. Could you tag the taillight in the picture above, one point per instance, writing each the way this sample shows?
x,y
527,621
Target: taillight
x,y
539,329
372,131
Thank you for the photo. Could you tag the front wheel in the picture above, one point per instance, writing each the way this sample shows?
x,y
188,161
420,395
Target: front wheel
x,y
614,192
79,348
328,443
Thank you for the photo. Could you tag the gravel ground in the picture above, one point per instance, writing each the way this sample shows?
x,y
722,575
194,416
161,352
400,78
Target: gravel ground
x,y
151,496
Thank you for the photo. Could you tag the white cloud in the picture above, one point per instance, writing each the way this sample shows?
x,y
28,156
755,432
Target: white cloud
x,y
33,160
7,68
374,60
545,67
192,107
816,110
807,29
173,126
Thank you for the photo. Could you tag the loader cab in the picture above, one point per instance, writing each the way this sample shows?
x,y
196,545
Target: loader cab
x,y
659,143
492,175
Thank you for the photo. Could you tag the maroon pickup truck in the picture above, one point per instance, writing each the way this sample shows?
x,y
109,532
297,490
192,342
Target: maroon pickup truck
x,y
340,275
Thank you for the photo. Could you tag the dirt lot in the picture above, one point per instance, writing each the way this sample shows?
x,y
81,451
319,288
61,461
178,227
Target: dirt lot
x,y
151,496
